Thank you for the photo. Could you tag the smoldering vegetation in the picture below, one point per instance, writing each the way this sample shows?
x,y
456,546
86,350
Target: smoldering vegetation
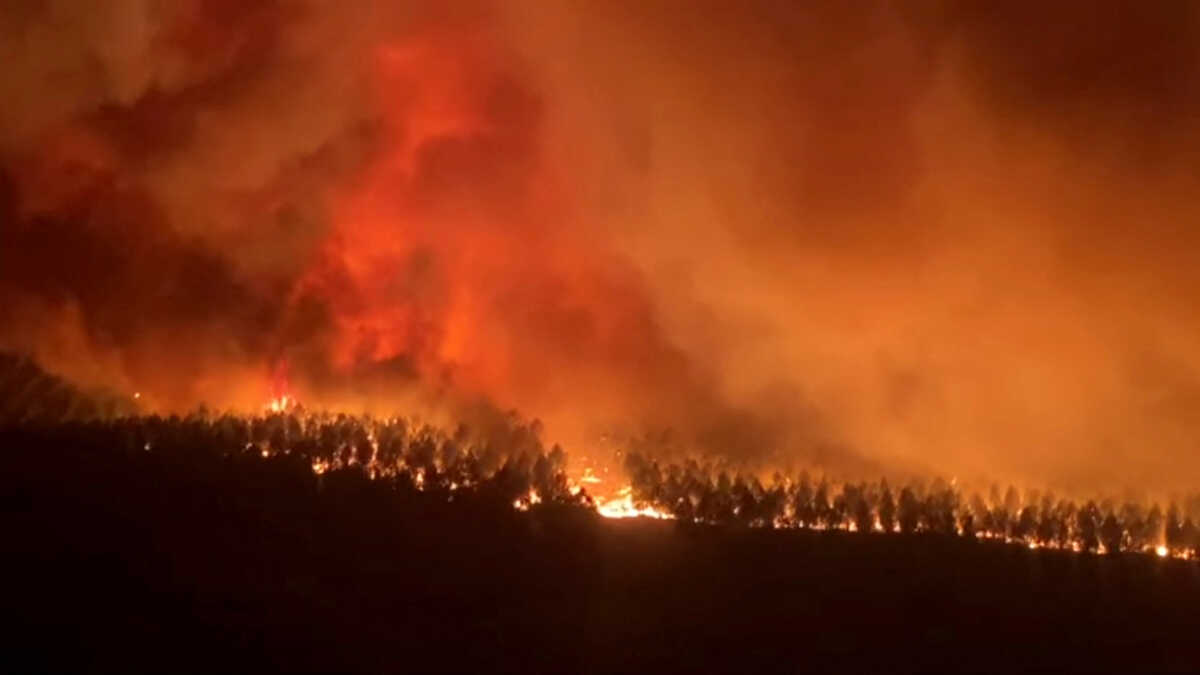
x,y
712,493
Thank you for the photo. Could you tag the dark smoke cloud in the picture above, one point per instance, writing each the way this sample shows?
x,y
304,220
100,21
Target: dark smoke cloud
x,y
942,236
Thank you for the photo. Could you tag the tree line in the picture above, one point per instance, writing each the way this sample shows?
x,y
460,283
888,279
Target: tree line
x,y
705,493
507,462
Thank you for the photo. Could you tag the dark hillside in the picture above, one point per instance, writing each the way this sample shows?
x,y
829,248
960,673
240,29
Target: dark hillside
x,y
126,561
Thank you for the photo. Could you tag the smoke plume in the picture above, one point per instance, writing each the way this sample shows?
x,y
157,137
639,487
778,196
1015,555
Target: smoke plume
x,y
930,236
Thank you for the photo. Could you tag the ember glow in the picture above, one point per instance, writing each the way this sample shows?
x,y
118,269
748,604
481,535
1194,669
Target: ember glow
x,y
865,237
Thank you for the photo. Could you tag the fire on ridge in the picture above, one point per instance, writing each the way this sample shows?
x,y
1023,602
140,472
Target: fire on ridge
x,y
431,459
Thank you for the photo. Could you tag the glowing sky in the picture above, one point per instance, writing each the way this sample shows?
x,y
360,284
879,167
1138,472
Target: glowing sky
x,y
947,236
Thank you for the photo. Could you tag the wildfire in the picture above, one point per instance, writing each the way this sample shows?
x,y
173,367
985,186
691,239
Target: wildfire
x,y
281,404
527,501
622,506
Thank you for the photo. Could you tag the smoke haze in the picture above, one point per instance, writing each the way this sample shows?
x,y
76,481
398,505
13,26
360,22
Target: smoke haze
x,y
936,236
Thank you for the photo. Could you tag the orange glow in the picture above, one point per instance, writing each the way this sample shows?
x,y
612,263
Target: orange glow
x,y
913,257
282,404
623,506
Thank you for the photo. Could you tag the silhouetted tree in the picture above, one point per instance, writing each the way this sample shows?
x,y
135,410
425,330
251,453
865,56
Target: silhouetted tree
x,y
1173,528
887,508
802,502
1025,525
908,511
1012,508
1111,534
821,505
1153,532
1086,523
860,508
1188,536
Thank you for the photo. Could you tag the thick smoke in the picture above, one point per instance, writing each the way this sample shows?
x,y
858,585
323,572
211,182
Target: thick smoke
x,y
930,236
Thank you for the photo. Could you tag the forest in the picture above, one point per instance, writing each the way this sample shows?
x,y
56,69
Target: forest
x,y
699,492
302,541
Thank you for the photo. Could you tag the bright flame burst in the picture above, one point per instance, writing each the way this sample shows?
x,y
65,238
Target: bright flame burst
x,y
282,404
531,499
622,506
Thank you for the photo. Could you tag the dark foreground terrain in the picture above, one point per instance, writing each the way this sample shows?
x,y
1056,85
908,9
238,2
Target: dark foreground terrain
x,y
123,562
